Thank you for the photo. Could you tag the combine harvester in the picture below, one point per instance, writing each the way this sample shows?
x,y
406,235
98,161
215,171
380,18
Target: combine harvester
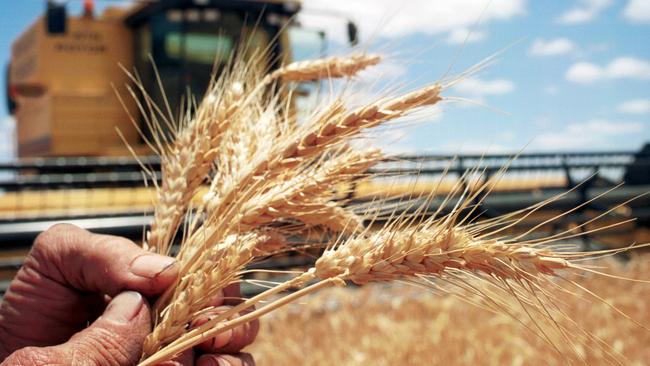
x,y
72,165
61,84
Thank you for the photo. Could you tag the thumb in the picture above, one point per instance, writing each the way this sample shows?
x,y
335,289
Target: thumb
x,y
115,338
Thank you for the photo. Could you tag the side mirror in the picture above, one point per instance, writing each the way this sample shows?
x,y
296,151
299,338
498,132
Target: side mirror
x,y
55,17
353,33
11,103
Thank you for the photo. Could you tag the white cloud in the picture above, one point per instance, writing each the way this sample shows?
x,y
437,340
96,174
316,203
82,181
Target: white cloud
x,y
585,12
584,72
479,87
635,106
7,138
619,68
629,68
637,11
462,35
390,19
552,47
590,134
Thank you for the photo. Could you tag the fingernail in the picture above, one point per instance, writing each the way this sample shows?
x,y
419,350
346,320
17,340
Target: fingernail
x,y
222,339
209,360
170,363
124,307
222,362
151,265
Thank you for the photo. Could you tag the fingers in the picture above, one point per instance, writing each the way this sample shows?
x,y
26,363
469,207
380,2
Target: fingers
x,y
90,262
230,341
115,338
240,359
186,358
232,294
221,339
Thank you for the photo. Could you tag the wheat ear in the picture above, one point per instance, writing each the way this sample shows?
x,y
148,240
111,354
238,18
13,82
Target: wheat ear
x,y
335,125
187,163
200,287
331,67
307,197
388,255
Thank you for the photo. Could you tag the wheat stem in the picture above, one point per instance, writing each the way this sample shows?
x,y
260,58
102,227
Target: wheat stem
x,y
191,339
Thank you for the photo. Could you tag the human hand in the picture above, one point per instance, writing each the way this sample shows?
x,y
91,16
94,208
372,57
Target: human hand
x,y
64,285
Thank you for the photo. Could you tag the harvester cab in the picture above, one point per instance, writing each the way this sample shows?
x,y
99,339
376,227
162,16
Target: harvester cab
x,y
64,69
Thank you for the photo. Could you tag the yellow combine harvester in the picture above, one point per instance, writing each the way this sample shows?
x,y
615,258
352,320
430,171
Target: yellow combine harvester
x,y
60,89
63,68
65,71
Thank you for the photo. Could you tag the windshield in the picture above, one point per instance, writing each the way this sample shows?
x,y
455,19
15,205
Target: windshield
x,y
189,45
198,47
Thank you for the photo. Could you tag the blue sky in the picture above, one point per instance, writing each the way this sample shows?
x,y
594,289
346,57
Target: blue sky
x,y
571,75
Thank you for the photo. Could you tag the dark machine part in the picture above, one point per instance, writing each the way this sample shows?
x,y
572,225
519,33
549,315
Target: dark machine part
x,y
353,33
56,17
638,172
9,93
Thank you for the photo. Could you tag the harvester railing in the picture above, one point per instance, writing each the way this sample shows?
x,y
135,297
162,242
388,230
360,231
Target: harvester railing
x,y
531,178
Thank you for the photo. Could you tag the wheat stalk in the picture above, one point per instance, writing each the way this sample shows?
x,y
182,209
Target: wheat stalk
x,y
292,200
268,170
438,247
325,131
308,210
432,248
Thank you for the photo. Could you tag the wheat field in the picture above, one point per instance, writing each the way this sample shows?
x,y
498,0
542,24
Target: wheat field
x,y
397,324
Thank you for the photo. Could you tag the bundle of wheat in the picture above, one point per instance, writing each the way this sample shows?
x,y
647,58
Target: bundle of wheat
x,y
266,170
